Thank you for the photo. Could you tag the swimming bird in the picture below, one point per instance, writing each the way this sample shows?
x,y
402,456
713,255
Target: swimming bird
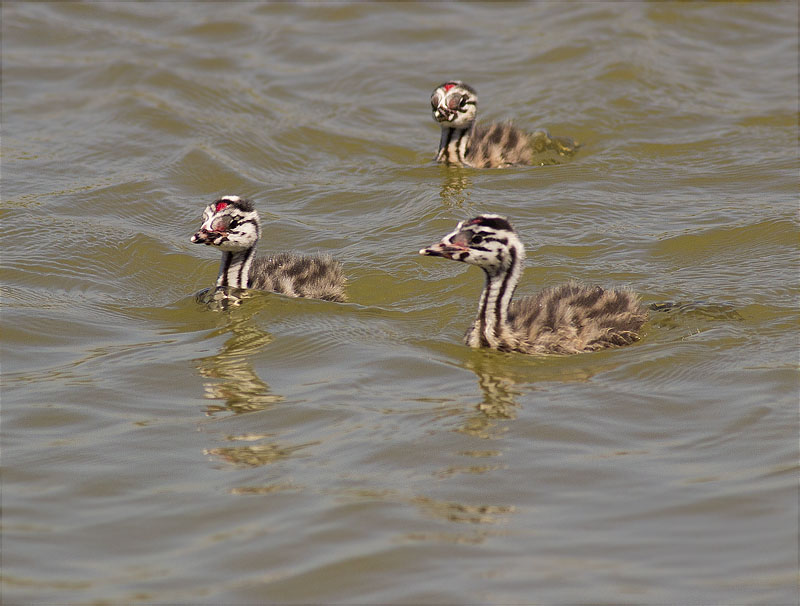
x,y
463,143
565,319
232,224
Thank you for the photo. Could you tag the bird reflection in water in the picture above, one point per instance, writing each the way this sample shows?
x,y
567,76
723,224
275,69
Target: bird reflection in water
x,y
231,379
229,374
456,185
505,377
498,388
499,392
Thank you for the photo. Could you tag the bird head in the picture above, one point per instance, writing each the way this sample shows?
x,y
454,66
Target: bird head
x,y
454,104
488,241
230,223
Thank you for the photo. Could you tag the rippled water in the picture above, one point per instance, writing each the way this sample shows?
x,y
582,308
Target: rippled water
x,y
297,451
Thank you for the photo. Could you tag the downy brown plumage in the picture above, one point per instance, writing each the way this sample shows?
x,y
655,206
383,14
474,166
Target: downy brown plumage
x,y
454,105
232,224
565,319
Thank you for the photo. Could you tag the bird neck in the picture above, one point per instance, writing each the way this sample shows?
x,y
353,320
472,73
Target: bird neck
x,y
234,270
454,144
491,327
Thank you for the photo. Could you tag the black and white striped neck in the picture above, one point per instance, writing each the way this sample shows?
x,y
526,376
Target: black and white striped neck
x,y
454,145
491,327
234,270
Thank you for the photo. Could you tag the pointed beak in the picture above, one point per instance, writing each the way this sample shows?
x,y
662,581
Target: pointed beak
x,y
200,237
204,237
443,249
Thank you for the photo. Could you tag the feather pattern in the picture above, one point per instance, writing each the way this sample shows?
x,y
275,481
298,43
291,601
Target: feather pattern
x,y
566,319
232,224
317,277
464,143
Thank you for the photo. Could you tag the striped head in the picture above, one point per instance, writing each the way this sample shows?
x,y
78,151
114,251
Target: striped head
x,y
488,241
454,104
230,223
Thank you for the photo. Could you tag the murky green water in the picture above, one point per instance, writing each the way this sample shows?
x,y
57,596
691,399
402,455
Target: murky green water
x,y
296,451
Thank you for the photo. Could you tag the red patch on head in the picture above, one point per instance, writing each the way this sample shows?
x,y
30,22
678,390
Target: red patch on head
x,y
220,206
448,86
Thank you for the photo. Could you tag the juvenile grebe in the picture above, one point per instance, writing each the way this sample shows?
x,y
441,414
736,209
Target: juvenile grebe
x,y
232,225
455,104
565,319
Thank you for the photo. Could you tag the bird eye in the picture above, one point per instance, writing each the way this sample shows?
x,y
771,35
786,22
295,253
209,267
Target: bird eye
x,y
463,102
476,239
221,223
233,224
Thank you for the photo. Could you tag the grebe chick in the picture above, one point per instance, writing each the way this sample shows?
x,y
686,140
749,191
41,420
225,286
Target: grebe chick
x,y
565,319
455,104
232,225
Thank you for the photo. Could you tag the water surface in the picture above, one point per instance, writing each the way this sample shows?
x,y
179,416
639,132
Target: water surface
x,y
296,451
